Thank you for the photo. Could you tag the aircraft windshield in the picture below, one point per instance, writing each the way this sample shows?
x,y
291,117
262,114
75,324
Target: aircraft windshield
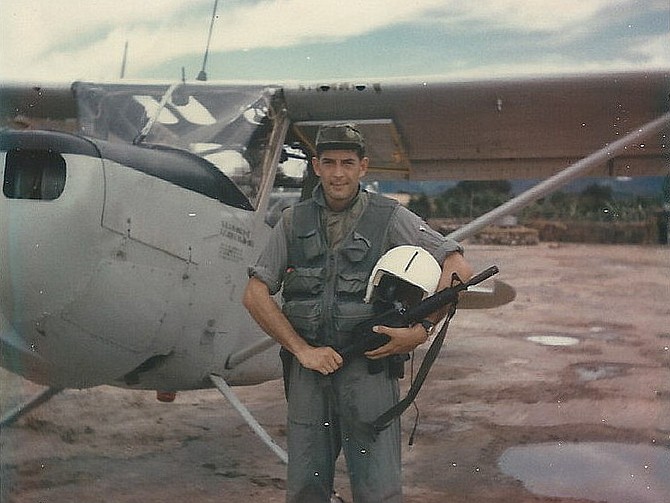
x,y
230,126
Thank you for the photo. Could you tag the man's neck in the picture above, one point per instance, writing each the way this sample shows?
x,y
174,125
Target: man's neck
x,y
340,205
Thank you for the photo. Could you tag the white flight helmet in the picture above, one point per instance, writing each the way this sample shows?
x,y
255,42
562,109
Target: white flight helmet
x,y
412,264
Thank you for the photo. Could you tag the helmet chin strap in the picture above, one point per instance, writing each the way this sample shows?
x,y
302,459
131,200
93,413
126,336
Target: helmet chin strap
x,y
445,297
385,419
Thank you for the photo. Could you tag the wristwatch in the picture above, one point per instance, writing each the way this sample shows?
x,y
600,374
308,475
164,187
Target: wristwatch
x,y
428,326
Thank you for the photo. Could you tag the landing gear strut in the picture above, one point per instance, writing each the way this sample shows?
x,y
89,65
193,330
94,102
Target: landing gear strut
x,y
33,403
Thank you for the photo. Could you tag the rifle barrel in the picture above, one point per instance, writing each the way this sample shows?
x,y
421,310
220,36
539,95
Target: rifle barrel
x,y
446,296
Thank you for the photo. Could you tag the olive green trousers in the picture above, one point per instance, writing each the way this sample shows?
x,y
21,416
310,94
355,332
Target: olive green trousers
x,y
328,415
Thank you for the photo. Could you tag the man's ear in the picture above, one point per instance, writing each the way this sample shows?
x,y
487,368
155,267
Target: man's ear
x,y
316,166
365,162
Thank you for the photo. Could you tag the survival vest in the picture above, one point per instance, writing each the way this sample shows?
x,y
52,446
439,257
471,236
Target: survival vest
x,y
324,288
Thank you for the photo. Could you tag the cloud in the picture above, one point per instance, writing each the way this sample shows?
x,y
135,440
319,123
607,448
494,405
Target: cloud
x,y
526,16
653,51
63,39
40,37
67,39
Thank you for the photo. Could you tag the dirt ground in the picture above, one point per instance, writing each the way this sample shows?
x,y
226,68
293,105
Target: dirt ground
x,y
492,389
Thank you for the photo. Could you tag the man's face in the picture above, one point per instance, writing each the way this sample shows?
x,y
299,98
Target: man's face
x,y
340,172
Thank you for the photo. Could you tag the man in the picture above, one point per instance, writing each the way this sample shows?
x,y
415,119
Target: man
x,y
322,252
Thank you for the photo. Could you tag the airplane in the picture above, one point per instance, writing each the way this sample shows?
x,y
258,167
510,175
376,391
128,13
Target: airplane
x,y
130,211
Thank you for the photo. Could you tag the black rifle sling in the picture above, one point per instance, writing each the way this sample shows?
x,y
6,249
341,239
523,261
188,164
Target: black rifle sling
x,y
384,420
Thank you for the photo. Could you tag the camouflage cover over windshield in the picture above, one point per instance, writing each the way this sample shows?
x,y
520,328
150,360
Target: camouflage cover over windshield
x,y
228,125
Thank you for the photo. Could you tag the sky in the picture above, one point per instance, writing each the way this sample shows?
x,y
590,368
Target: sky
x,y
276,41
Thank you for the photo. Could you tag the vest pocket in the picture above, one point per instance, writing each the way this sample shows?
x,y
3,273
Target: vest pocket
x,y
303,282
311,245
305,317
347,315
356,249
353,282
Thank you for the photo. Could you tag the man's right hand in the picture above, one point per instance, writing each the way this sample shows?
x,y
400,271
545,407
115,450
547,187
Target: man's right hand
x,y
269,316
321,359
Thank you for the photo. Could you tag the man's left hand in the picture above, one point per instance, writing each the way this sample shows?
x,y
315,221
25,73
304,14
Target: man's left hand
x,y
403,340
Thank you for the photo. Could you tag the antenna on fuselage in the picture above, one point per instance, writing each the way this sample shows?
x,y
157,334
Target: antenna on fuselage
x,y
123,62
202,76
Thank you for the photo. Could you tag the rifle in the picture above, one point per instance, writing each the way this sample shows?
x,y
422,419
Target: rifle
x,y
398,316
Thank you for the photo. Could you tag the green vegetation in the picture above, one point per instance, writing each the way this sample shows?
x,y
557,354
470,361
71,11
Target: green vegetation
x,y
470,199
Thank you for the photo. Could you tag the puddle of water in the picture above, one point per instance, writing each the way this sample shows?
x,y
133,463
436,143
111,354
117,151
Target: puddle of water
x,y
605,336
599,471
593,372
553,340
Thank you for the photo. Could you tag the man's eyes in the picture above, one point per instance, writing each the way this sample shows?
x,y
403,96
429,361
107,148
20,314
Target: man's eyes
x,y
348,162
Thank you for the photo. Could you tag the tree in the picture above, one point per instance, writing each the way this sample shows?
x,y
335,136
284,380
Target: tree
x,y
665,191
596,201
473,198
421,205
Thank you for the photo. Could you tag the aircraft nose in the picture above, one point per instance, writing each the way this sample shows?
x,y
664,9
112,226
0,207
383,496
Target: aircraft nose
x,y
50,214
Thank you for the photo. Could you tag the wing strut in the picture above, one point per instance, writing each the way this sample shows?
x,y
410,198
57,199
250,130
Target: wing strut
x,y
560,179
33,403
243,355
226,391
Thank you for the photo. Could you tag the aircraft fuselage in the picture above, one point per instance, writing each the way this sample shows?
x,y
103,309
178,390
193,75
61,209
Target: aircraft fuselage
x,y
116,271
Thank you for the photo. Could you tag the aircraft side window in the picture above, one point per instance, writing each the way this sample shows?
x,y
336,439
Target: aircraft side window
x,y
288,182
34,174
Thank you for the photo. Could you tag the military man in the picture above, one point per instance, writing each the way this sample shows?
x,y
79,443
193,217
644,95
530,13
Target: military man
x,y
322,252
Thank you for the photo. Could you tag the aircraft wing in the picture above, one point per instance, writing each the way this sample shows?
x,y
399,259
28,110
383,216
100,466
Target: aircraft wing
x,y
493,129
430,129
51,106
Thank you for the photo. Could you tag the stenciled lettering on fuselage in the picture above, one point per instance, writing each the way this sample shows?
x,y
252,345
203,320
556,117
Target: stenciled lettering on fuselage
x,y
236,239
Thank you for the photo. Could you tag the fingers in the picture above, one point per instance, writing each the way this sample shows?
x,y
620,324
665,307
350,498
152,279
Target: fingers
x,y
380,352
403,340
331,363
324,360
328,369
387,349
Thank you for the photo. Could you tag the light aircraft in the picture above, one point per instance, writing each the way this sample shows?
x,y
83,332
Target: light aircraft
x,y
130,211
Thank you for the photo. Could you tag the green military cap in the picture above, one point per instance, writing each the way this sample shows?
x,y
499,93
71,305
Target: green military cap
x,y
339,137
